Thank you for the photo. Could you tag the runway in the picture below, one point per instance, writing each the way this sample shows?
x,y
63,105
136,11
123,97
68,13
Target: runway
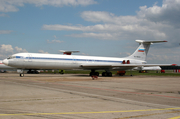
x,y
74,96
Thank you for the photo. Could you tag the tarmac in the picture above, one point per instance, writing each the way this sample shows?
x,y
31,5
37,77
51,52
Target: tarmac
x,y
77,96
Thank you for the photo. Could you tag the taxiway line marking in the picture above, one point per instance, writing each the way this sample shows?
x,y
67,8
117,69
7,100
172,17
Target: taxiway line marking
x,y
100,112
178,117
146,115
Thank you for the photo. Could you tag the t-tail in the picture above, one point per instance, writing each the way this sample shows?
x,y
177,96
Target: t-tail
x,y
142,50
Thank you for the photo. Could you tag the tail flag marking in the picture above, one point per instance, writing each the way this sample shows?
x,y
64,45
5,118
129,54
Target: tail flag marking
x,y
141,50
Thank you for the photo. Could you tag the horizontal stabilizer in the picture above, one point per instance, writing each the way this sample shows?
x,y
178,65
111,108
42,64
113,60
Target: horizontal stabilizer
x,y
142,41
68,52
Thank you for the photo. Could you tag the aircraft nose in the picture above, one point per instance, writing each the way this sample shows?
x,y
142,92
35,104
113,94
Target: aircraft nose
x,y
5,61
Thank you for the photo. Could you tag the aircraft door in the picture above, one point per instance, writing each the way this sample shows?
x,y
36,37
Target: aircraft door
x,y
30,58
74,60
27,61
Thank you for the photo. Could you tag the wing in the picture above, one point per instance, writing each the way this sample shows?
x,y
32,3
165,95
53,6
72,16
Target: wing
x,y
120,66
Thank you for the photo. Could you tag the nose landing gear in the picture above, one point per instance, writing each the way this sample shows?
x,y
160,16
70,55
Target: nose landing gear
x,y
21,75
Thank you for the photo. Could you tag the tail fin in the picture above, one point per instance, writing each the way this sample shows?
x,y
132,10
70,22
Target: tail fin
x,y
142,50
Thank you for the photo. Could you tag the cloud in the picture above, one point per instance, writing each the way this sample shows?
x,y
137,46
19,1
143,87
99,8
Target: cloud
x,y
84,54
104,36
153,23
98,16
55,36
125,54
18,50
60,3
4,15
168,13
162,59
54,41
5,31
8,50
41,51
113,28
12,5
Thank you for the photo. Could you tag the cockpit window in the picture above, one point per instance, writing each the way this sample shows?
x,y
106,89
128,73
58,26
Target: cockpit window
x,y
11,57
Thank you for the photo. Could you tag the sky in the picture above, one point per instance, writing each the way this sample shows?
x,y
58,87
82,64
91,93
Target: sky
x,y
94,27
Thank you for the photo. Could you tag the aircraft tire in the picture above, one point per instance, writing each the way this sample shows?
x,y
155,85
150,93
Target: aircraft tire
x,y
90,74
94,73
97,73
36,72
109,74
21,75
103,74
121,74
106,74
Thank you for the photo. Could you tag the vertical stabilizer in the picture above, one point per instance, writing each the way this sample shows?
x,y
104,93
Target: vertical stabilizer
x,y
142,50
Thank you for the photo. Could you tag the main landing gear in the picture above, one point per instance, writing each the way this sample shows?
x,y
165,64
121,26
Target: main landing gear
x,y
93,73
105,74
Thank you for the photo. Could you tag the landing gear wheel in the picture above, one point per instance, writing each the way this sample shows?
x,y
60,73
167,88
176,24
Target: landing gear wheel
x,y
94,73
109,74
121,74
106,74
97,73
91,73
21,75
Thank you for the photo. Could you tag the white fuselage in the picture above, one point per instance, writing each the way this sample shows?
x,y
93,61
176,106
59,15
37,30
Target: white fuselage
x,y
56,61
5,67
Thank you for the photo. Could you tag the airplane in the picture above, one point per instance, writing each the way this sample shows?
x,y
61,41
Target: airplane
x,y
155,68
145,69
35,61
